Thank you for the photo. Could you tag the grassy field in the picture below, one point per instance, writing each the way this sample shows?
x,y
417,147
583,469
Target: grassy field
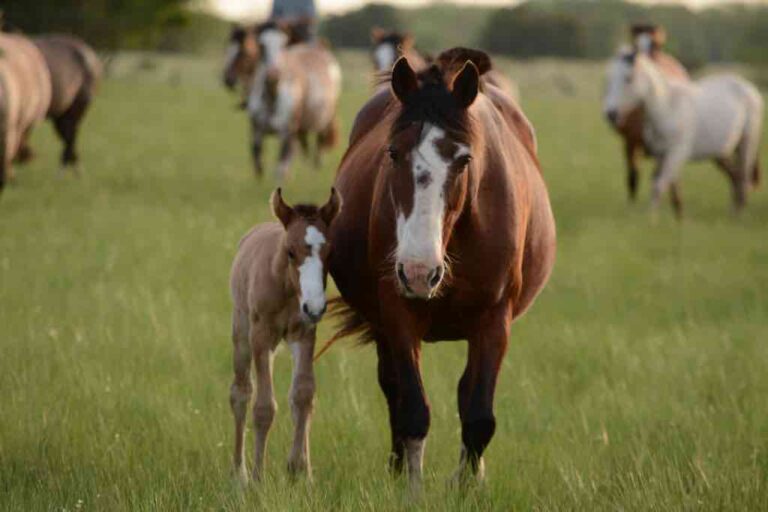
x,y
637,382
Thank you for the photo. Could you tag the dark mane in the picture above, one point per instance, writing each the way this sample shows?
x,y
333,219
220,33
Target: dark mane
x,y
433,103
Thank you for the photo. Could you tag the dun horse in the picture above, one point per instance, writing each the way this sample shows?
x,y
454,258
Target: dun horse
x,y
718,117
25,97
75,70
446,234
278,290
651,39
294,93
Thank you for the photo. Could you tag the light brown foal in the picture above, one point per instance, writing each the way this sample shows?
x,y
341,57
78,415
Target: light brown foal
x,y
278,289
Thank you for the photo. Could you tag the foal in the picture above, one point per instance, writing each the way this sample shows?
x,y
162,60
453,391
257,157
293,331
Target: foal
x,y
278,289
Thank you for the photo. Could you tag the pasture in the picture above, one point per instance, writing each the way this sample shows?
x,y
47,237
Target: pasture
x,y
637,381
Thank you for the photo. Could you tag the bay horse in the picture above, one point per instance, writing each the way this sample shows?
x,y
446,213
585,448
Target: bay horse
x,y
388,46
718,117
278,291
294,93
75,71
25,97
650,38
446,234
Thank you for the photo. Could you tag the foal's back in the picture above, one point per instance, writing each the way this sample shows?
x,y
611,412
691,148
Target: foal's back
x,y
252,280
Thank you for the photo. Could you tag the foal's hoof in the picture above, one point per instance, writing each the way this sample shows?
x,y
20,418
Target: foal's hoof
x,y
240,476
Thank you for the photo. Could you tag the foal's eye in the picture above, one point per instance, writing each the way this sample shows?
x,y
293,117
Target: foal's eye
x,y
392,152
291,255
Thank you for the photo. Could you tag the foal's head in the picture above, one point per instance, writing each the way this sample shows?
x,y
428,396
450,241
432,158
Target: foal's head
x,y
630,79
306,246
242,55
429,152
387,47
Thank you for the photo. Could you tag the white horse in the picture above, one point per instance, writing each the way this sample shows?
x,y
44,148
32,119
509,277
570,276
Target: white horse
x,y
718,117
295,92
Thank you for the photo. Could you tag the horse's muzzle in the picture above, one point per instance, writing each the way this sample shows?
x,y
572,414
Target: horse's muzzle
x,y
419,280
613,117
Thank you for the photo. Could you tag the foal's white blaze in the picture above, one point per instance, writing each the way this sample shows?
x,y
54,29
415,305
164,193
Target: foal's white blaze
x,y
420,235
384,56
311,273
273,41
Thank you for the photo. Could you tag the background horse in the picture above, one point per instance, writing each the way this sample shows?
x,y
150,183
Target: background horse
x,y
446,234
25,97
388,46
75,70
278,290
295,90
652,39
719,117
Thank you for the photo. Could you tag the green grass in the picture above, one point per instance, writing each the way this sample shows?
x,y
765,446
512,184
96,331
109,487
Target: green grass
x,y
637,382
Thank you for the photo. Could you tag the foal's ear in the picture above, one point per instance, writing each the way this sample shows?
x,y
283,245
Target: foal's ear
x,y
466,85
282,211
404,80
331,209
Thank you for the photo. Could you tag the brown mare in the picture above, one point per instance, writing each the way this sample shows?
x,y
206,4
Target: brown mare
x,y
446,234
388,46
25,97
278,290
75,71
630,129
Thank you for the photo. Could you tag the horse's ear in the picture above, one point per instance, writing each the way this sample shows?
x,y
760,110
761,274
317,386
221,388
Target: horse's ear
x,y
282,211
404,81
377,34
331,209
466,85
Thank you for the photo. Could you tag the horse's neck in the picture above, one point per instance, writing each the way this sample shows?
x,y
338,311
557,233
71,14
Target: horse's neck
x,y
658,98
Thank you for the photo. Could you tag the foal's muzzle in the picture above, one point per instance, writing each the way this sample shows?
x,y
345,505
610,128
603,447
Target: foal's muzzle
x,y
314,316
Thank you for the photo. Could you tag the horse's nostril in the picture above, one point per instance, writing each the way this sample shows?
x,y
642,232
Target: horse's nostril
x,y
435,276
612,116
401,274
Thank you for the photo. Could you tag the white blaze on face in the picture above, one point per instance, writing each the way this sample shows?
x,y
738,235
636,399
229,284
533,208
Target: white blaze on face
x,y
311,273
384,56
273,41
420,235
644,43
619,71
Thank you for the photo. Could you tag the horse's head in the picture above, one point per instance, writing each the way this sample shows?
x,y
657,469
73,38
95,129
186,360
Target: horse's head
x,y
273,37
627,84
387,46
429,152
242,55
307,248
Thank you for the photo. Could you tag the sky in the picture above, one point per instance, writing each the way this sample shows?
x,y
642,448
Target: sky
x,y
237,9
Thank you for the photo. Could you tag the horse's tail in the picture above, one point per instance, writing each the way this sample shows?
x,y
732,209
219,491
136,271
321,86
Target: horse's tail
x,y
91,64
329,136
350,323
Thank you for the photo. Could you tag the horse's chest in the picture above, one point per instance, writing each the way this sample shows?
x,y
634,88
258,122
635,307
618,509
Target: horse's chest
x,y
273,114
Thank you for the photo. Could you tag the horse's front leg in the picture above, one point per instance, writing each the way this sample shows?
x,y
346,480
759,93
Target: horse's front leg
x,y
400,377
287,149
487,346
667,171
302,397
257,138
630,154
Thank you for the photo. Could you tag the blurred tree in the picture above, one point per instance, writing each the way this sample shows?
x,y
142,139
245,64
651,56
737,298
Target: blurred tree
x,y
104,23
353,29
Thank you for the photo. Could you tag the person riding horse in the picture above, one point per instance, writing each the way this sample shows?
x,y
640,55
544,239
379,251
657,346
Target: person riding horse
x,y
300,14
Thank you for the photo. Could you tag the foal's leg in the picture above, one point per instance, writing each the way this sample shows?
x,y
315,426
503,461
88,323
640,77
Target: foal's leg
x,y
286,156
477,386
262,345
302,396
241,390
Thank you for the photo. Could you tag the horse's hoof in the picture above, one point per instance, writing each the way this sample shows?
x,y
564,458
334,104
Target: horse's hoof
x,y
240,476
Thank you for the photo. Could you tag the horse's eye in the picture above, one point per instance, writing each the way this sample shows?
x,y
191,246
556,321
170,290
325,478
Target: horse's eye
x,y
462,162
392,152
291,255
